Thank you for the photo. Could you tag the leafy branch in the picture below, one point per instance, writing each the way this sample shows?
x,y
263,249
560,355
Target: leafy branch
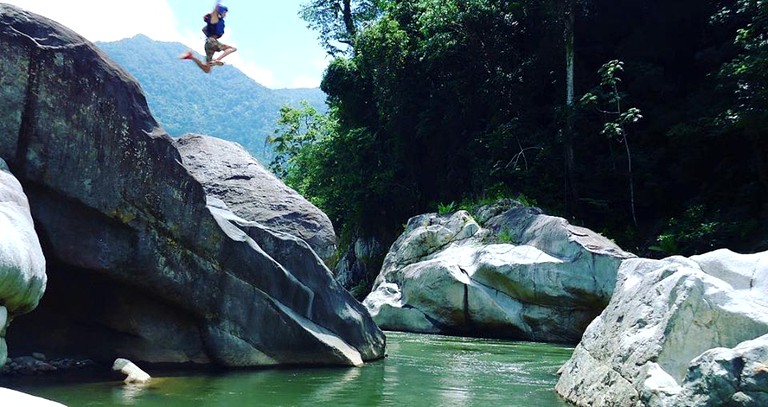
x,y
607,100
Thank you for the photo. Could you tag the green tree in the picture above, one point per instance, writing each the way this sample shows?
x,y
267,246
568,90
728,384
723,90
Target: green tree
x,y
608,101
297,128
335,169
446,100
569,20
749,69
338,21
564,14
432,89
747,75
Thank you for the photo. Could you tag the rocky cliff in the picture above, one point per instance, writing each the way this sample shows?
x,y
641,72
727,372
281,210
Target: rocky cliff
x,y
141,264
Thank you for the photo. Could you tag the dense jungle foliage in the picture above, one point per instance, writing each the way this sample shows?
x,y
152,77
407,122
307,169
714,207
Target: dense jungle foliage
x,y
645,120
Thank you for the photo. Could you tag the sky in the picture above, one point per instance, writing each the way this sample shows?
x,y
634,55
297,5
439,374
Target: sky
x,y
274,46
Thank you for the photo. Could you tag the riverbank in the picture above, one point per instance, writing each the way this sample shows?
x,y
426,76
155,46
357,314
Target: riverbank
x,y
38,365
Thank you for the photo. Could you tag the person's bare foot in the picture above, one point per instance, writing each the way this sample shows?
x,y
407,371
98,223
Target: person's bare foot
x,y
216,63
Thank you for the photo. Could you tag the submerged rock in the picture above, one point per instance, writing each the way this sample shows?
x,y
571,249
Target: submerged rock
x,y
140,265
524,275
677,332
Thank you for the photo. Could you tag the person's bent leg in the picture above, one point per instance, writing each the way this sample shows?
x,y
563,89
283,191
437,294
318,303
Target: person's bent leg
x,y
205,67
189,55
228,49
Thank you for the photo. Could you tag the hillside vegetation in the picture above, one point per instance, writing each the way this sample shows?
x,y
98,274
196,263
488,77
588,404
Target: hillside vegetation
x,y
226,103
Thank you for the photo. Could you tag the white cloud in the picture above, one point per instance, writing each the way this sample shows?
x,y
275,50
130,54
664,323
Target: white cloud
x,y
305,82
258,73
99,20
321,63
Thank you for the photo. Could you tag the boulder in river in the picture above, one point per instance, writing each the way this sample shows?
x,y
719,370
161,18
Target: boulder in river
x,y
22,264
677,332
523,275
229,172
142,263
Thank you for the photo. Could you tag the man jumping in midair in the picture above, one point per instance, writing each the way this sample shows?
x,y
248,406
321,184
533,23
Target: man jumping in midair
x,y
213,30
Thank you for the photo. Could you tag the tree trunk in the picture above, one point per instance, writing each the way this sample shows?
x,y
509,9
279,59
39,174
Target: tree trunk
x,y
349,22
572,196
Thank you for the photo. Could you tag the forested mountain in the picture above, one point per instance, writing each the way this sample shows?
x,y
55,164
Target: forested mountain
x,y
645,120
226,103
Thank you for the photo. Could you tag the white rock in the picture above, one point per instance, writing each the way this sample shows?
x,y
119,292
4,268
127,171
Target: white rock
x,y
10,397
133,373
446,274
727,376
22,264
667,319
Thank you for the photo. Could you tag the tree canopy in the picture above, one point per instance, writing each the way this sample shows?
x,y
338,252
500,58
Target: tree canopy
x,y
438,101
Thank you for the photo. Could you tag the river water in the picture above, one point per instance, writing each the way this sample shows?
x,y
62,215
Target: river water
x,y
421,370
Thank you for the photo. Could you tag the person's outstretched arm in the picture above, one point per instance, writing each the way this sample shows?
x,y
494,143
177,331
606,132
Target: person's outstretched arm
x,y
215,13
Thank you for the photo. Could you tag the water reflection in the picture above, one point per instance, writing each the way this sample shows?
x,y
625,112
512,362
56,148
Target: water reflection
x,y
420,370
450,371
128,394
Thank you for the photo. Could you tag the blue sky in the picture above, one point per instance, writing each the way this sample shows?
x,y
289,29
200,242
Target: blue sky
x,y
274,46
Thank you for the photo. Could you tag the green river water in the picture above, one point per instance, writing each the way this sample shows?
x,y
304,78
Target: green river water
x,y
421,370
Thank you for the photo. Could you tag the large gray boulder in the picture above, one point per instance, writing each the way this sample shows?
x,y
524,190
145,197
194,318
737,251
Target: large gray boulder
x,y
677,332
230,173
525,275
141,264
22,264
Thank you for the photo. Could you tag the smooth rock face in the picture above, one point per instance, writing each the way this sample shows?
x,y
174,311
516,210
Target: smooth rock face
x,y
22,264
446,274
677,332
228,172
129,235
